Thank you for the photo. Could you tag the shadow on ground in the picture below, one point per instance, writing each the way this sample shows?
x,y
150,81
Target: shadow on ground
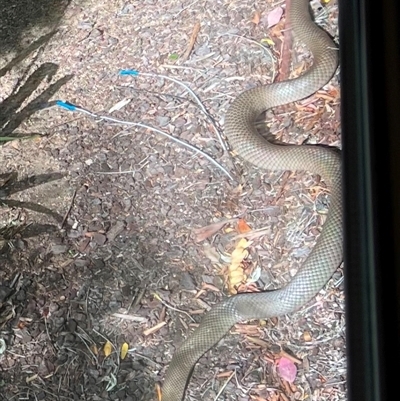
x,y
12,114
9,185
26,27
19,18
58,290
58,309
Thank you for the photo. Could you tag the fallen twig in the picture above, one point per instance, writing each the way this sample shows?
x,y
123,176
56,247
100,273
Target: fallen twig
x,y
192,41
69,210
153,329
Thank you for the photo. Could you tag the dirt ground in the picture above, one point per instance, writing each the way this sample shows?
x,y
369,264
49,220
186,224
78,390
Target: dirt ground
x,y
100,240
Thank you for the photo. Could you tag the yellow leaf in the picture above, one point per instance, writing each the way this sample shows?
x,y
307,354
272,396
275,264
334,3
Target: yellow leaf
x,y
107,348
268,41
236,274
124,350
157,297
240,251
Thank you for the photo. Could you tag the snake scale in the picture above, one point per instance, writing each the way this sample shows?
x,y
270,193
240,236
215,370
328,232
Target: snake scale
x,y
326,255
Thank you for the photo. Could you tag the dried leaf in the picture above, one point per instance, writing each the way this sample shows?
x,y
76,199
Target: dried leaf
x,y
256,18
238,190
45,312
83,244
236,274
120,104
107,348
258,341
225,375
21,324
287,369
211,253
204,232
258,398
284,354
307,336
31,378
243,227
247,287
159,392
274,16
94,349
99,239
251,330
240,251
124,350
235,281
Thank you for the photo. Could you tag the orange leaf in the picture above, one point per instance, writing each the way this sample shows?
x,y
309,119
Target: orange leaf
x,y
21,325
256,18
243,227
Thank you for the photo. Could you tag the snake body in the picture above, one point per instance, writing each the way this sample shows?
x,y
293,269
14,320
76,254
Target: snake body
x,y
326,255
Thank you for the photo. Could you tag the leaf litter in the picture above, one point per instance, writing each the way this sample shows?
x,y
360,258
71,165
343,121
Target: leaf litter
x,y
166,193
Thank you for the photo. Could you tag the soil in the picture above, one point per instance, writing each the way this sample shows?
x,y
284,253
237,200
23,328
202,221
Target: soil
x,y
107,231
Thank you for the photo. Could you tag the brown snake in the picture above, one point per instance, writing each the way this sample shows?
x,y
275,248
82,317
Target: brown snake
x,y
326,255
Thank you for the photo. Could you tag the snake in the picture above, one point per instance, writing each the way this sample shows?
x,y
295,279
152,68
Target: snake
x,y
326,256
